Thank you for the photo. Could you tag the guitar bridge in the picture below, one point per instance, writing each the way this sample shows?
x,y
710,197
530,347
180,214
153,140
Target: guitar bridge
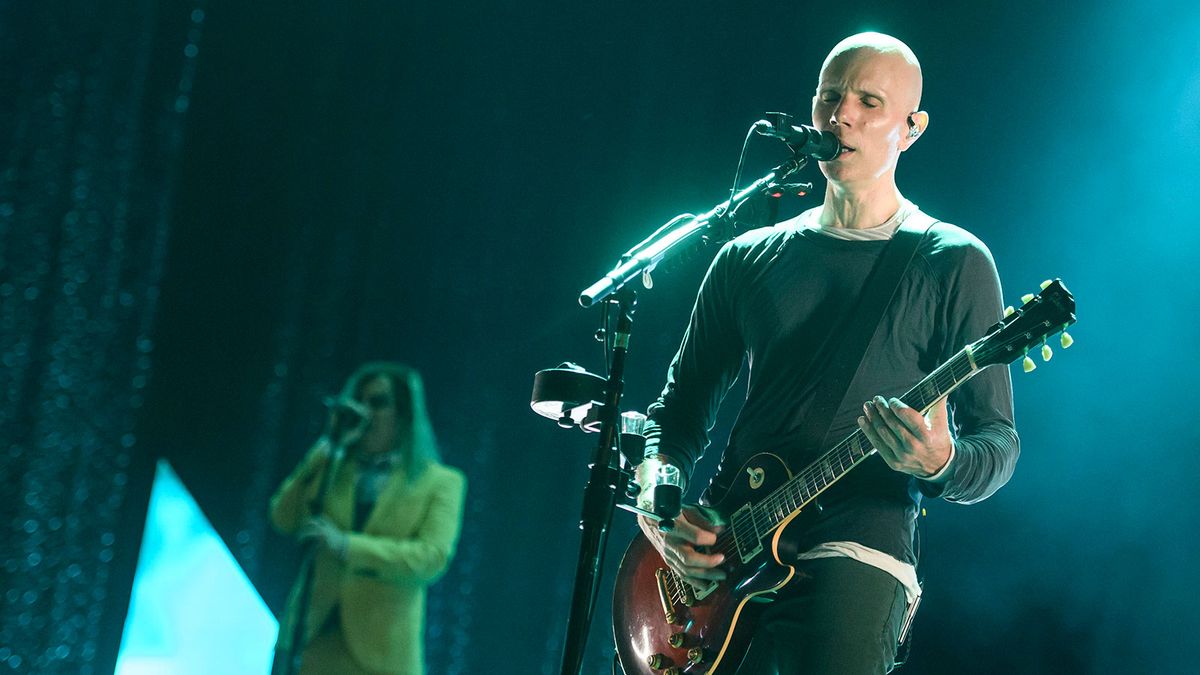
x,y
663,578
673,591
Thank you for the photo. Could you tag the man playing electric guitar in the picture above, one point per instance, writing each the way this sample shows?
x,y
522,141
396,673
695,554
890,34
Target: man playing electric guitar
x,y
780,298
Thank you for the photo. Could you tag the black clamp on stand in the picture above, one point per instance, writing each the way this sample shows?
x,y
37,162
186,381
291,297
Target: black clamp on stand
x,y
574,397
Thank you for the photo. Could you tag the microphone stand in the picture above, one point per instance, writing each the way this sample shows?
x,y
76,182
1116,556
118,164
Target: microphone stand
x,y
287,662
606,481
608,478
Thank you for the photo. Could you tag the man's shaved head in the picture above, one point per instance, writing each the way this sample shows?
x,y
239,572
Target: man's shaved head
x,y
884,44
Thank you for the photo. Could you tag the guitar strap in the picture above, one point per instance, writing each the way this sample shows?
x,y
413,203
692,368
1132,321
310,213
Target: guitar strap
x,y
877,294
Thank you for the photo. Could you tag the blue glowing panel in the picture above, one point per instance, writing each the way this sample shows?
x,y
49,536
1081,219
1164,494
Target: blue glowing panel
x,y
193,610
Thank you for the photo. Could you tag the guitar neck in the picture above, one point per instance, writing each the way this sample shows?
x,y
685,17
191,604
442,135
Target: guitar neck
x,y
851,451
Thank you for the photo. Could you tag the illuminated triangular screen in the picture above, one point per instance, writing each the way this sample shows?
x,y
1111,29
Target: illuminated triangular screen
x,y
193,611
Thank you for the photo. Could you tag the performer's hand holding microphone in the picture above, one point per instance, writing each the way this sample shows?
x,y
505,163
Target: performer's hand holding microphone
x,y
345,425
347,422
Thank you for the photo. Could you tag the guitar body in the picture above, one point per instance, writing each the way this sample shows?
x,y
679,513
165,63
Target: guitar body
x,y
647,613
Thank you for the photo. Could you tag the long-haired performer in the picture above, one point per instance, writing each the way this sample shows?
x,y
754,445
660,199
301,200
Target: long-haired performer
x,y
387,528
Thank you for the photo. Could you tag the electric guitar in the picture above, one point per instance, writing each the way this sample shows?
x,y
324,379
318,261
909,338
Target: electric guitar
x,y
665,625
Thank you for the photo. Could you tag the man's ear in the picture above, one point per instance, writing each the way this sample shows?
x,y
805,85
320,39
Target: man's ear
x,y
917,123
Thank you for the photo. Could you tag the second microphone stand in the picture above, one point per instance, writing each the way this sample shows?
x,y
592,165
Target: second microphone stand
x,y
287,661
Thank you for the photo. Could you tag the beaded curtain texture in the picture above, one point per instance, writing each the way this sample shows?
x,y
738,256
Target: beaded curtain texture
x,y
109,192
93,109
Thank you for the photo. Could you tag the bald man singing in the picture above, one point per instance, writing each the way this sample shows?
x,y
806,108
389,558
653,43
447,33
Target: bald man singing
x,y
779,298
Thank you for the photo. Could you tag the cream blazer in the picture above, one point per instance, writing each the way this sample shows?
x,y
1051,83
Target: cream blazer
x,y
406,544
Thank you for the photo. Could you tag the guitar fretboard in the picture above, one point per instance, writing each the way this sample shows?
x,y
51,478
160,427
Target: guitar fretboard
x,y
833,465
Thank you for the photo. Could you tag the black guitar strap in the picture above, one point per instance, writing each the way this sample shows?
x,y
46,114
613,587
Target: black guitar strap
x,y
877,294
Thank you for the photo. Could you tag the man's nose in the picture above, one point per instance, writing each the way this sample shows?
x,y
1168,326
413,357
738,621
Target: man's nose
x,y
842,114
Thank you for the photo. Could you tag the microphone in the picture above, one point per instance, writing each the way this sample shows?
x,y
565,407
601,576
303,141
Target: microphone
x,y
803,139
345,405
346,415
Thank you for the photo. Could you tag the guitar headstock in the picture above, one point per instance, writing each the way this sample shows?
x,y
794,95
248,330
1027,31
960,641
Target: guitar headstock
x,y
1040,317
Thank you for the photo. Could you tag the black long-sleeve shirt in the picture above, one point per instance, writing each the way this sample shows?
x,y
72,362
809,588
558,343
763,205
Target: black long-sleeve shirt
x,y
778,297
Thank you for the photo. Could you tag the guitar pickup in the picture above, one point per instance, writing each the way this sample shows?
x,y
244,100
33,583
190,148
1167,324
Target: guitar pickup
x,y
749,544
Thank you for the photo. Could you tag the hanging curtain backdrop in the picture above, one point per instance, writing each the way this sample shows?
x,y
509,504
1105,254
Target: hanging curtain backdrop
x,y
91,122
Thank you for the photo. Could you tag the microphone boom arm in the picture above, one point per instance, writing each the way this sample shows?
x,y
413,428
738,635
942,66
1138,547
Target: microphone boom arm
x,y
672,241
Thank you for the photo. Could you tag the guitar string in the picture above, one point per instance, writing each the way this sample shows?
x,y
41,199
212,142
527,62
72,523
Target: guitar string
x,y
944,380
817,476
781,504
856,447
852,450
779,507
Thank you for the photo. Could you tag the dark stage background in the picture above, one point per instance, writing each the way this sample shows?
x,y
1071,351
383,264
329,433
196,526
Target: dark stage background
x,y
211,211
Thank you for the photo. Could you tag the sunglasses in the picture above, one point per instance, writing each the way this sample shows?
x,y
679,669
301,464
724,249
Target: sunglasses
x,y
380,402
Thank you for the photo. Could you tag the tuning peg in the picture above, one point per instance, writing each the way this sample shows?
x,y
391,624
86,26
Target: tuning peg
x,y
1008,311
1066,340
647,280
1046,283
1047,353
1028,365
1026,298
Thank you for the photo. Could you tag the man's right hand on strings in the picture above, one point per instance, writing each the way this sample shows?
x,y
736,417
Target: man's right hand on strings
x,y
685,548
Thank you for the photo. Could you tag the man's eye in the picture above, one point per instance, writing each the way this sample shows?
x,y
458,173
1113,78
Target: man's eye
x,y
870,103
829,98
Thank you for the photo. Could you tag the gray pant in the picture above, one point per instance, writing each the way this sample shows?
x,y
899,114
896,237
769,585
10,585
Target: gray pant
x,y
840,617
